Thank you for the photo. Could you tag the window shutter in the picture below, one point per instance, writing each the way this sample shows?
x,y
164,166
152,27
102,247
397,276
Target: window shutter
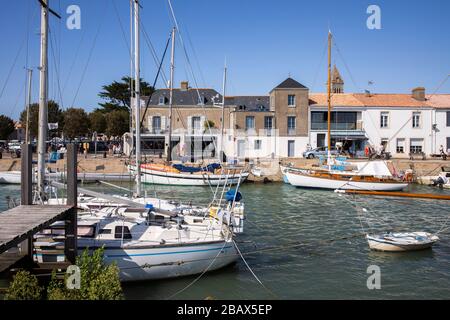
x,y
202,124
150,123
163,123
189,124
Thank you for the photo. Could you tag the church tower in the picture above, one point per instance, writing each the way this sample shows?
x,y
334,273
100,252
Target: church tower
x,y
337,83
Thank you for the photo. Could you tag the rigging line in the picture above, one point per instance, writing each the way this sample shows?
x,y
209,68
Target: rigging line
x,y
190,67
74,61
16,58
195,56
198,278
318,67
121,26
440,86
156,77
17,100
90,54
58,80
251,271
345,64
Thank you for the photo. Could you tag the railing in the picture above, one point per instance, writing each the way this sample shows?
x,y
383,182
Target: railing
x,y
335,126
291,132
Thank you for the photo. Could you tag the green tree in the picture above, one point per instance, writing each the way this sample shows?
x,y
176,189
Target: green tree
x,y
97,120
76,123
118,122
6,127
117,95
54,115
24,286
98,281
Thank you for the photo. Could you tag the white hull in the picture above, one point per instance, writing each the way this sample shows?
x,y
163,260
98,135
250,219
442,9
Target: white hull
x,y
308,181
160,262
13,177
403,243
186,179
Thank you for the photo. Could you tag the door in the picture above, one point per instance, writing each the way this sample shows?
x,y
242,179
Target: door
x,y
320,140
241,149
291,148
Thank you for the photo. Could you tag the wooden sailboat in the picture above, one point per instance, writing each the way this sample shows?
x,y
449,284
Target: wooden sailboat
x,y
333,177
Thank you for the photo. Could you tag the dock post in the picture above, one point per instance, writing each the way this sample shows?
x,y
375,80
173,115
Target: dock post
x,y
70,246
26,194
26,191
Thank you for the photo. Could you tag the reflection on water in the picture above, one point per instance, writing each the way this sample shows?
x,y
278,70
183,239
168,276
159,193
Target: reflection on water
x,y
310,245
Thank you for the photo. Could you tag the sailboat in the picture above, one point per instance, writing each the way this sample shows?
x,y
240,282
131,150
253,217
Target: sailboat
x,y
151,238
188,175
338,173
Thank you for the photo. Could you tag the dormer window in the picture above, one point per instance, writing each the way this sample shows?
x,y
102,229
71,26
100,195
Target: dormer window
x,y
162,100
201,100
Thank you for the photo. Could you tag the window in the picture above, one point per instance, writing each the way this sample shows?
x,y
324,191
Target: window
x,y
291,124
86,231
400,145
384,119
448,118
258,144
156,124
201,100
249,122
268,123
416,146
416,120
120,231
291,100
162,100
196,125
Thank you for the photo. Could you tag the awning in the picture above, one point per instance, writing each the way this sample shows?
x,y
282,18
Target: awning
x,y
349,137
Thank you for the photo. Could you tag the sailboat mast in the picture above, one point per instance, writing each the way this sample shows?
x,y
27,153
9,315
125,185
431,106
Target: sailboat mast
x,y
131,72
27,127
172,72
329,96
223,110
43,99
137,86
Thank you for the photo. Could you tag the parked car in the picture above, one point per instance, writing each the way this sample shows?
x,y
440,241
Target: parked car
x,y
317,152
14,145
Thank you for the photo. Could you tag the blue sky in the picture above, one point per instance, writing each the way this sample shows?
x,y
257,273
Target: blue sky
x,y
263,41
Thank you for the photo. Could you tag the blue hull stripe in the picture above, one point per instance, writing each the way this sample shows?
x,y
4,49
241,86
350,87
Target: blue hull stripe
x,y
154,254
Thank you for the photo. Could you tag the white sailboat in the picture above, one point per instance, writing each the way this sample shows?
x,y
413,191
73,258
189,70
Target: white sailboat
x,y
339,174
400,242
151,238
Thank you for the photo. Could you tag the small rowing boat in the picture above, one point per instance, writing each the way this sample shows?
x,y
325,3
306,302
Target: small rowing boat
x,y
400,242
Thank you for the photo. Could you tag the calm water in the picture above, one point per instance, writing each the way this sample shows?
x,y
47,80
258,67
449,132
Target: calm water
x,y
279,215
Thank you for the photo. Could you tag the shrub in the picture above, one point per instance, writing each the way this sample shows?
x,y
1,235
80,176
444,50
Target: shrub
x,y
24,286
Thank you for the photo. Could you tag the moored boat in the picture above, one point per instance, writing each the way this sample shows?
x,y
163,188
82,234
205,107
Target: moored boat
x,y
399,242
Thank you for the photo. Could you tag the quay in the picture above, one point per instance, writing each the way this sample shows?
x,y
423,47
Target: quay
x,y
18,225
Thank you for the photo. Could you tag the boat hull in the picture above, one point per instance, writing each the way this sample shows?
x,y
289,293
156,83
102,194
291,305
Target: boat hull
x,y
380,244
160,262
307,181
186,179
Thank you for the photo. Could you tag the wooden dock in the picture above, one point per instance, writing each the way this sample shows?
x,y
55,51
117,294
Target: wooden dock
x,y
20,224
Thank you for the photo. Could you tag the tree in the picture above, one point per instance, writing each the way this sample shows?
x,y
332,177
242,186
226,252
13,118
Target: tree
x,y
98,281
6,127
118,122
54,115
117,95
24,286
97,120
76,123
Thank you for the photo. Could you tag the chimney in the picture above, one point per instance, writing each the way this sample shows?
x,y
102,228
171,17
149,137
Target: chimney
x,y
419,93
184,85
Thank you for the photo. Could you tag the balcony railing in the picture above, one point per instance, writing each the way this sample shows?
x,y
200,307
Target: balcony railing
x,y
291,131
336,126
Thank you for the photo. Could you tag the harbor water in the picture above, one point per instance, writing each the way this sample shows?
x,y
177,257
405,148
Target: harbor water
x,y
309,244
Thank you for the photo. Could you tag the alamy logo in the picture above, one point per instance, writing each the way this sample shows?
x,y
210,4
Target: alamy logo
x,y
74,278
374,20
374,280
74,20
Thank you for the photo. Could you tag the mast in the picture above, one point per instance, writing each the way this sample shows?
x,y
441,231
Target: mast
x,y
137,86
28,102
223,110
131,74
329,97
172,71
43,99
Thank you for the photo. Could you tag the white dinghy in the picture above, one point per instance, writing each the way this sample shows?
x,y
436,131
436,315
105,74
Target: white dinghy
x,y
400,242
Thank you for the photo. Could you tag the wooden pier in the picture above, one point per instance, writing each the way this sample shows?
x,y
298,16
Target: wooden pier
x,y
20,224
